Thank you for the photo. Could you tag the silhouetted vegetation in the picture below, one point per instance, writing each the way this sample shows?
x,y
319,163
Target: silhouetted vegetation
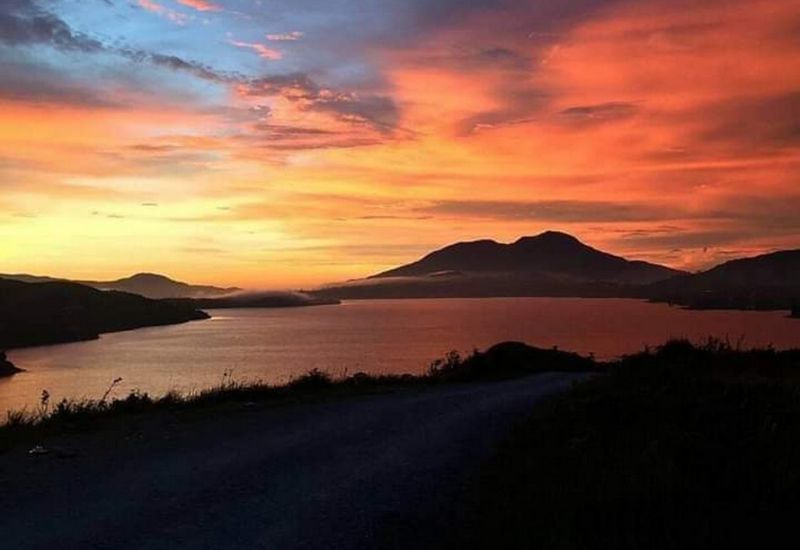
x,y
508,360
681,447
501,361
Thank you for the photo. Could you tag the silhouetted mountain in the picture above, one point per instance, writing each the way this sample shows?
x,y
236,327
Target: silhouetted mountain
x,y
550,264
257,300
48,313
155,286
149,285
7,368
551,252
771,281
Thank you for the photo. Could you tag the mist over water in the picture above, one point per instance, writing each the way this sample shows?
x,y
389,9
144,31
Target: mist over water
x,y
376,336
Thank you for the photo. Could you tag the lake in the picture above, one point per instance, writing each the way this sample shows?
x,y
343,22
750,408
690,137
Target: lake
x,y
376,336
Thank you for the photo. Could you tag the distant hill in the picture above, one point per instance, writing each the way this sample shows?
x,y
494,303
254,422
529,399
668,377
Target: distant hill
x,y
149,285
770,281
549,264
55,312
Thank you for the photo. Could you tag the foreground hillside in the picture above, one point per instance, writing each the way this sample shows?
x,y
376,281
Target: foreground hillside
x,y
684,447
358,465
680,447
34,314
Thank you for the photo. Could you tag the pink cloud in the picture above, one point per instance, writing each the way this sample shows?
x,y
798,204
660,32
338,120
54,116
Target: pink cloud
x,y
263,51
155,7
201,5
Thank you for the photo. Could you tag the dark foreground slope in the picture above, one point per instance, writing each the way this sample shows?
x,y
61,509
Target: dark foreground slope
x,y
386,470
682,448
48,313
771,281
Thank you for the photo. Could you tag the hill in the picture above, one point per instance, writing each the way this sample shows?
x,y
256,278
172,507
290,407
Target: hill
x,y
149,285
549,264
34,314
770,281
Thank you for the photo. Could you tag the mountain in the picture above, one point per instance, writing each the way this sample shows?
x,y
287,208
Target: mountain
x,y
34,314
149,285
770,281
551,252
549,264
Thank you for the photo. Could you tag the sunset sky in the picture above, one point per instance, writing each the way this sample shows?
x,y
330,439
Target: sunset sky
x,y
278,143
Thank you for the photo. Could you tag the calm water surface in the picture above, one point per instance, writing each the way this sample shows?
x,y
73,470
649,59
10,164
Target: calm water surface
x,y
377,336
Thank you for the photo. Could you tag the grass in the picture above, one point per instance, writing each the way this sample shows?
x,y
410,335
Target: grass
x,y
501,361
683,446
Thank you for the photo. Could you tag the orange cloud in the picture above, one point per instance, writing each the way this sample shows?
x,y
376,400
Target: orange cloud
x,y
201,5
662,130
263,51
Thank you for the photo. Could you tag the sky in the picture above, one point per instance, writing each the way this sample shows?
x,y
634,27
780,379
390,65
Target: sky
x,y
278,144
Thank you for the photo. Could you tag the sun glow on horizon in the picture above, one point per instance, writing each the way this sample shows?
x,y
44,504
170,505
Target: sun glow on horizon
x,y
264,145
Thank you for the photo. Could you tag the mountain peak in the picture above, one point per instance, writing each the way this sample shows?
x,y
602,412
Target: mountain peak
x,y
149,277
549,254
554,237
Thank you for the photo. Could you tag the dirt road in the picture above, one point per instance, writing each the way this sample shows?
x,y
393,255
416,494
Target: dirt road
x,y
379,471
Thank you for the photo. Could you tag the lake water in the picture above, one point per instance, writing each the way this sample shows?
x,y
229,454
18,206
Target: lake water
x,y
376,336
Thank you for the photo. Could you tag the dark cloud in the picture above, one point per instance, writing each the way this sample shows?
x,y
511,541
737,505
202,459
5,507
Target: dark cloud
x,y
40,84
24,22
521,105
178,64
378,111
551,211
504,57
764,122
613,110
283,137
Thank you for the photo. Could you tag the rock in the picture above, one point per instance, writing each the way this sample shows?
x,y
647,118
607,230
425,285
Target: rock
x,y
7,368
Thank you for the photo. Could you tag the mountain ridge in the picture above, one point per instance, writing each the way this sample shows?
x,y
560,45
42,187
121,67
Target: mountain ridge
x,y
548,252
150,285
766,281
552,263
